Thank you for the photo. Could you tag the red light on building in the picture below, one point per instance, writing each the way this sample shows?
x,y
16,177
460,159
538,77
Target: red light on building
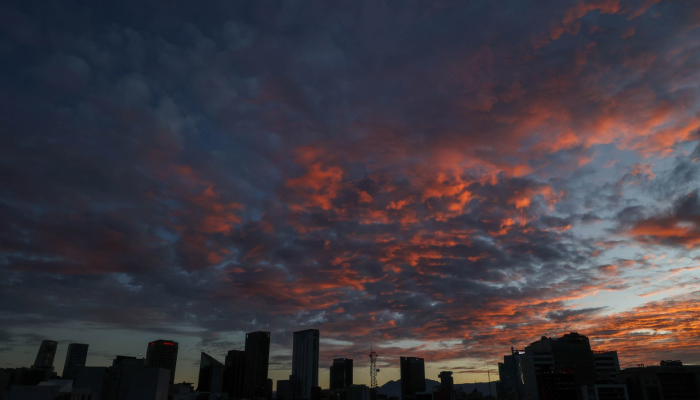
x,y
151,344
169,344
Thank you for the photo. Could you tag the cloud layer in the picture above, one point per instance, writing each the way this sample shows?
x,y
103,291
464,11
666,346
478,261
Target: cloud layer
x,y
446,180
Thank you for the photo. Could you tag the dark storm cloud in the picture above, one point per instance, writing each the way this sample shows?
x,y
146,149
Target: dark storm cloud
x,y
410,170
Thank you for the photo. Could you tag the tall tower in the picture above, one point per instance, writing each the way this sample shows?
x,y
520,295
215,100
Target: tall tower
x,y
412,377
163,354
305,360
373,369
46,354
75,358
257,358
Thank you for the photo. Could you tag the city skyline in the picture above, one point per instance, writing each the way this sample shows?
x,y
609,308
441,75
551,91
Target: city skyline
x,y
434,179
208,360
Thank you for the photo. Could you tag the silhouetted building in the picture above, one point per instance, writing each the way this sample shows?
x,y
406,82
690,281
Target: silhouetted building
x,y
91,378
356,392
511,385
268,389
24,377
48,390
289,389
129,379
305,360
282,392
119,377
257,353
446,380
667,381
561,366
150,383
75,358
163,354
211,374
341,373
234,365
412,377
45,356
446,389
6,375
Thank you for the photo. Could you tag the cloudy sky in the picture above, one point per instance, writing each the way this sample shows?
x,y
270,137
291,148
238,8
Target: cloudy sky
x,y
435,179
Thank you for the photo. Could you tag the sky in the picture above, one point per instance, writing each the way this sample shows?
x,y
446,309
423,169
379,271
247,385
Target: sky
x,y
442,179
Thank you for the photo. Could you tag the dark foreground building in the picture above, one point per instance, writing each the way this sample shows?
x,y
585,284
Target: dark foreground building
x,y
670,380
257,355
233,374
305,360
45,356
412,377
565,368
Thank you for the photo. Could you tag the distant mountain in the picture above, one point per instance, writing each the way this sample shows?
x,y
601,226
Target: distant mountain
x,y
393,388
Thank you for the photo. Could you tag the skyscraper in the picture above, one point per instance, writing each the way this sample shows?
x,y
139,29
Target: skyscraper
x,y
305,360
163,354
341,373
211,374
257,354
412,377
233,374
46,354
75,358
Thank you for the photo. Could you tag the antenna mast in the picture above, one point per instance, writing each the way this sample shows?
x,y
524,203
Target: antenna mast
x,y
373,369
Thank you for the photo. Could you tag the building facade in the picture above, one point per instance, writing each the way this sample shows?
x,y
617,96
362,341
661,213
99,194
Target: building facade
x,y
257,355
45,355
289,389
163,354
511,383
559,367
75,358
211,374
607,365
412,377
234,365
341,373
127,379
305,360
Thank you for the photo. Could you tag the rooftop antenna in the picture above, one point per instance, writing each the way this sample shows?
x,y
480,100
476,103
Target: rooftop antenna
x,y
373,368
